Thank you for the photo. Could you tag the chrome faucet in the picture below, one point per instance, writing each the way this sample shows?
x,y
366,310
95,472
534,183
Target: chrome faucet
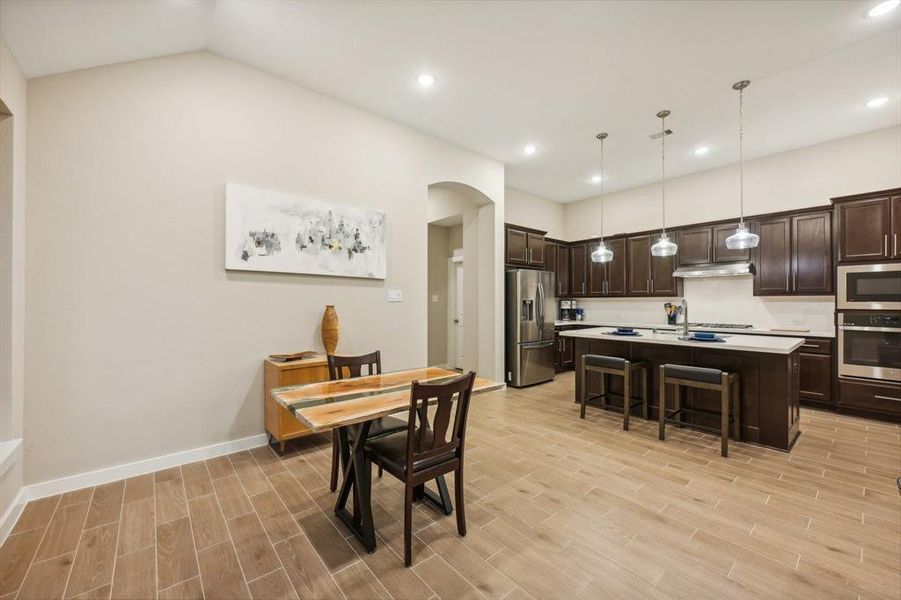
x,y
684,318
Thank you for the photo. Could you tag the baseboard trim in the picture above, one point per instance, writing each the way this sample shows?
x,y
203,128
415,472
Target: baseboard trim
x,y
12,514
69,483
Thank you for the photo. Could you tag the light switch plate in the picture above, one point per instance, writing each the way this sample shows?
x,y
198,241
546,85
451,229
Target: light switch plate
x,y
395,296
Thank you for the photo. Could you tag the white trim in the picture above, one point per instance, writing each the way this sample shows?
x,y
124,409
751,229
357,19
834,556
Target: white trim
x,y
11,516
9,454
123,471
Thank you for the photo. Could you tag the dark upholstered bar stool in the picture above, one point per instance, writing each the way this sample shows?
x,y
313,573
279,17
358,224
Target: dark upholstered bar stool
x,y
726,383
611,365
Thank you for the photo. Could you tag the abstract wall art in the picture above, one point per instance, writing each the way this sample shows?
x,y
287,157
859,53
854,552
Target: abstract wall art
x,y
283,233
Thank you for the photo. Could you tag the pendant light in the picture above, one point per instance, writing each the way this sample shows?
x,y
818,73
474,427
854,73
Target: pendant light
x,y
602,254
742,238
663,246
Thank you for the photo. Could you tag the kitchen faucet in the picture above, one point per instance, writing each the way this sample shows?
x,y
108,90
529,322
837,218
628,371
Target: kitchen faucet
x,y
684,318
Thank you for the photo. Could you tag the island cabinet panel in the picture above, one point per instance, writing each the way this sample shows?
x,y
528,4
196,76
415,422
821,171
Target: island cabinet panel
x,y
517,247
772,257
722,254
695,246
864,229
638,257
896,227
562,270
578,270
812,253
769,403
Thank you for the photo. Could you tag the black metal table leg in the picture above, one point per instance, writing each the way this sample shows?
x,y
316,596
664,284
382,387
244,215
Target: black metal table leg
x,y
357,479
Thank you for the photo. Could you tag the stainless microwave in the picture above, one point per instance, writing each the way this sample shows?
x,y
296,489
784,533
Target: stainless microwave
x,y
869,287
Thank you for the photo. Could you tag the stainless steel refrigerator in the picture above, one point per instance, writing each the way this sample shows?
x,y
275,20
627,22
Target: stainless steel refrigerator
x,y
530,314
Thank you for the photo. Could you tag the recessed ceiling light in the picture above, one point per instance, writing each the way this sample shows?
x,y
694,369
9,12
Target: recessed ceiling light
x,y
877,102
883,8
701,150
529,149
426,80
596,179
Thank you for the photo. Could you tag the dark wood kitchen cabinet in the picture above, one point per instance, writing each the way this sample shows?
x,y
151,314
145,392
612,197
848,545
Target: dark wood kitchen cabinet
x,y
608,279
895,250
794,256
562,270
578,271
524,247
811,253
722,254
864,228
551,247
649,275
815,373
695,246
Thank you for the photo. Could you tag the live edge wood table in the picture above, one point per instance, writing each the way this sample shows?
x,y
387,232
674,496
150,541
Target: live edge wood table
x,y
768,366
347,403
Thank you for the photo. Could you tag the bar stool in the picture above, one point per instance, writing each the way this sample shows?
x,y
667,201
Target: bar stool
x,y
726,383
611,365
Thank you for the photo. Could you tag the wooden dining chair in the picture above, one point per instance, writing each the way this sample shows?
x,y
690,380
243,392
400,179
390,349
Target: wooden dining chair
x,y
345,367
427,451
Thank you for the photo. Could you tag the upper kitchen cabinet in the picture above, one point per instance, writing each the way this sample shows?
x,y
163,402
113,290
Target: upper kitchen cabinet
x,y
812,253
649,275
794,256
561,268
722,254
578,262
868,226
524,247
551,248
707,244
608,279
695,245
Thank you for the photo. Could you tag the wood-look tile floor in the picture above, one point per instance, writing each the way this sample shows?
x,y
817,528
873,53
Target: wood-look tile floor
x,y
557,507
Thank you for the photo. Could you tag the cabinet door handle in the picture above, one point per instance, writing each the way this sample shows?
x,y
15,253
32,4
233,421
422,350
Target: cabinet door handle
x,y
885,243
809,346
525,254
709,252
878,397
894,243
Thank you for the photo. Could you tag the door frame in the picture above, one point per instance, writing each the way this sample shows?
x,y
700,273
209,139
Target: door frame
x,y
452,263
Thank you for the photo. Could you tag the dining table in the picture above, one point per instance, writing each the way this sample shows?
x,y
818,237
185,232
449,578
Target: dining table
x,y
353,404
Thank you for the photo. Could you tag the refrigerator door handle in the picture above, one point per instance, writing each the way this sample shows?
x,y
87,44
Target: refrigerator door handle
x,y
543,344
539,299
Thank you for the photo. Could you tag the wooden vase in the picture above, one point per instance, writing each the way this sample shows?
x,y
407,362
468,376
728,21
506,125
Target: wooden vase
x,y
330,329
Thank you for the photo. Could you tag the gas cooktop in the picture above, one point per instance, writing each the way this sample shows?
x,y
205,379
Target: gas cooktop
x,y
721,325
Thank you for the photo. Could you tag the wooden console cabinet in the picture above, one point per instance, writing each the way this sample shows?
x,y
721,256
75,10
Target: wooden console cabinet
x,y
280,424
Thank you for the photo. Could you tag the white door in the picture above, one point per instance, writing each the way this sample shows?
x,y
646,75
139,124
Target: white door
x,y
458,315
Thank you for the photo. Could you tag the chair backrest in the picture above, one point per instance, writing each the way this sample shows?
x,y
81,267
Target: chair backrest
x,y
444,434
346,367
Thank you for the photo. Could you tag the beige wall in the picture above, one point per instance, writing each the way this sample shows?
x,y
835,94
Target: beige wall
x,y
806,177
532,211
153,347
13,88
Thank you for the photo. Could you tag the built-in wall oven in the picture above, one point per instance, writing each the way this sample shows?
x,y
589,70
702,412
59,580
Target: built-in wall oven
x,y
869,345
869,287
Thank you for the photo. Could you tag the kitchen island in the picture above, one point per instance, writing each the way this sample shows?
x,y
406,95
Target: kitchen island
x,y
768,366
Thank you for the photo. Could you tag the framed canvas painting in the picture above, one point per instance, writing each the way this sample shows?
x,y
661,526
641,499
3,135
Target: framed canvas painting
x,y
282,233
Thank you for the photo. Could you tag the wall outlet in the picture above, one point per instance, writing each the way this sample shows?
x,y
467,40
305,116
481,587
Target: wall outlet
x,y
395,296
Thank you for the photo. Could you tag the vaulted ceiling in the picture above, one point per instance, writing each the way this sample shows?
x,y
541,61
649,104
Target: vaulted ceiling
x,y
552,74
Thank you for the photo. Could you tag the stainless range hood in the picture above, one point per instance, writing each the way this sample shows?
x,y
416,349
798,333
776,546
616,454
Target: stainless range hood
x,y
735,269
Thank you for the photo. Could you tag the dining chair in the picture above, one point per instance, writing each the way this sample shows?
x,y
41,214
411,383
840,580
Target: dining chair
x,y
345,367
427,451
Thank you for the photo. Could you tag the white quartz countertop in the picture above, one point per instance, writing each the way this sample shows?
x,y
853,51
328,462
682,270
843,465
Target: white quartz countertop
x,y
741,343
663,327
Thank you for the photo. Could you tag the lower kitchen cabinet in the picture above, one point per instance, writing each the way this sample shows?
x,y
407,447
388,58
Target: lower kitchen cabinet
x,y
870,398
815,377
565,357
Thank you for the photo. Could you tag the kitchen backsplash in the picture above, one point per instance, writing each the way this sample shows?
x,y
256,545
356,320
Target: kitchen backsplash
x,y
720,300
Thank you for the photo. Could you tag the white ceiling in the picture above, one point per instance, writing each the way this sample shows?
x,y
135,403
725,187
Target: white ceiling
x,y
510,73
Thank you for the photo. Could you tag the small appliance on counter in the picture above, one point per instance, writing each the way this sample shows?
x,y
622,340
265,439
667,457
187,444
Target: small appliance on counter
x,y
568,310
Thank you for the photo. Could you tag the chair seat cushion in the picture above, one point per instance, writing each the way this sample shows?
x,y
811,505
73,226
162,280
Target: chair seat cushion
x,y
700,374
608,362
380,427
391,450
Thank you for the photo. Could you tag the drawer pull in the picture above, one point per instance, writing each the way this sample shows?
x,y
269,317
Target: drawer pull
x,y
878,397
810,345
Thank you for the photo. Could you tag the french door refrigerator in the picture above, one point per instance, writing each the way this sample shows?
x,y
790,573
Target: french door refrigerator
x,y
530,313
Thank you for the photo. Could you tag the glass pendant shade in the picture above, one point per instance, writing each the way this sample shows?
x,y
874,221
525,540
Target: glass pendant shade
x,y
664,246
742,238
602,254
